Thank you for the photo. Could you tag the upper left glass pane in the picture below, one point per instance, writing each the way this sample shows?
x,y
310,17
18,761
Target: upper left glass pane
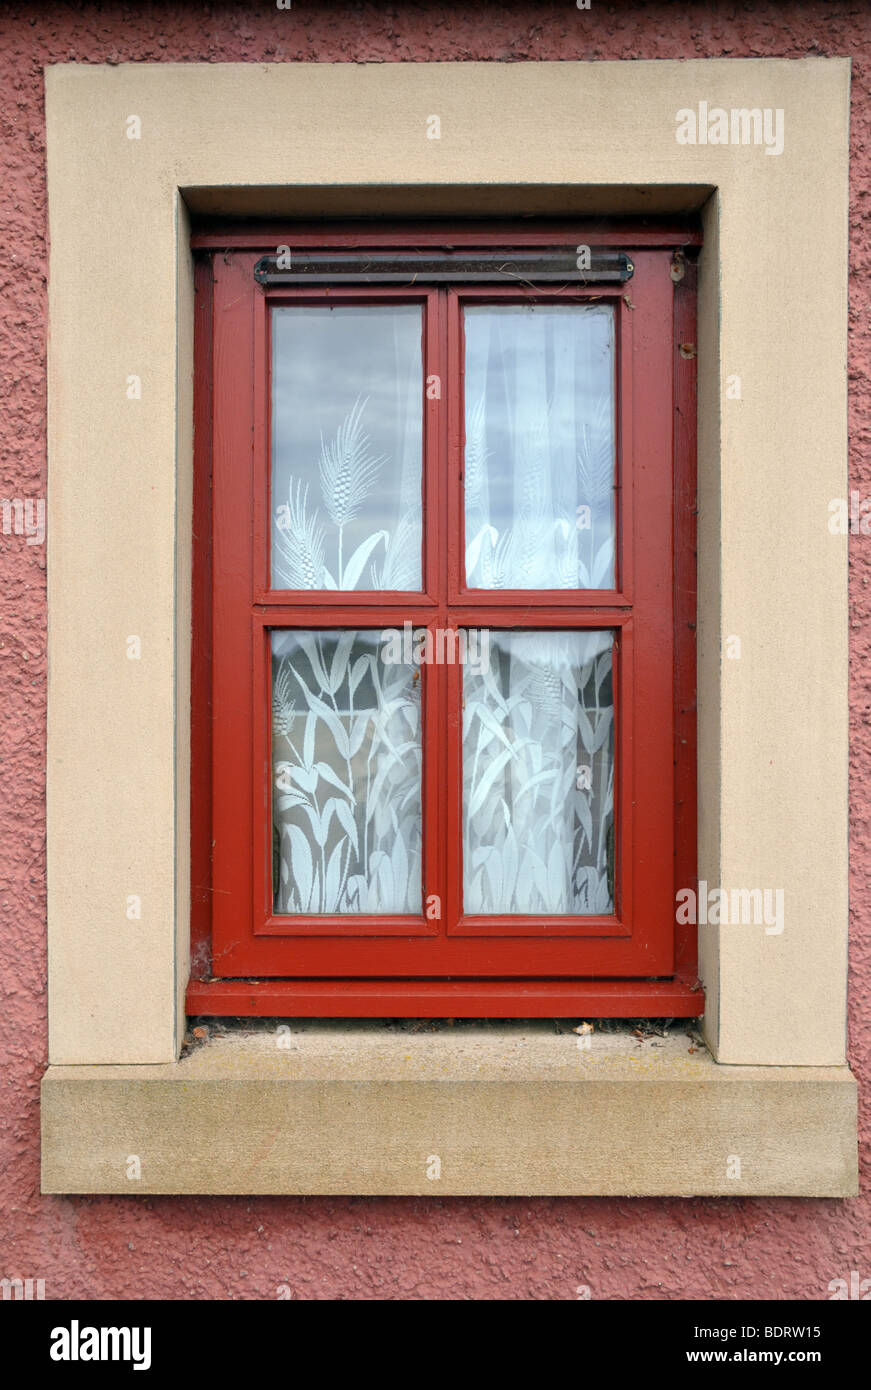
x,y
347,447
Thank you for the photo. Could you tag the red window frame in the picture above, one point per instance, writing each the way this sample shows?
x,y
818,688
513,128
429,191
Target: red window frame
x,y
633,962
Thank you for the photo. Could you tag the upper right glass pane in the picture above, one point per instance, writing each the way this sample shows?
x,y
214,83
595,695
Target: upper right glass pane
x,y
540,446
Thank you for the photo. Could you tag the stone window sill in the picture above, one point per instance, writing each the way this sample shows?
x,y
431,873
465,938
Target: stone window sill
x,y
503,1109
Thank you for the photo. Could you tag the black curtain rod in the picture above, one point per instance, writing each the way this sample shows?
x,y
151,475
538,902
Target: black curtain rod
x,y
581,264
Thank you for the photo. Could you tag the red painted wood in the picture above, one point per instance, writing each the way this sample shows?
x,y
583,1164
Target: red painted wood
x,y
650,302
232,503
638,938
680,998
201,646
685,512
595,232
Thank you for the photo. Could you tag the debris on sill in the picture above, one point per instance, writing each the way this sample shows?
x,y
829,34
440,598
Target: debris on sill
x,y
644,1033
198,1033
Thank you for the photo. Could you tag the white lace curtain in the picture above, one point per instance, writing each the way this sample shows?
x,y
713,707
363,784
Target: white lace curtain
x,y
347,439
539,464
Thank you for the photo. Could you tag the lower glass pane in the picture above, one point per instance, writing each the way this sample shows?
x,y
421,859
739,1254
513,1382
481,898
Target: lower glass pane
x,y
538,775
346,775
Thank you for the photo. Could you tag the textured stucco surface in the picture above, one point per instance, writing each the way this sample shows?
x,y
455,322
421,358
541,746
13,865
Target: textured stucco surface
x,y
369,1247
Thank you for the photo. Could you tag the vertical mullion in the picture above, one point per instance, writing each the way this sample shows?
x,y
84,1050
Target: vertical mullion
x,y
452,676
452,320
433,432
437,529
432,540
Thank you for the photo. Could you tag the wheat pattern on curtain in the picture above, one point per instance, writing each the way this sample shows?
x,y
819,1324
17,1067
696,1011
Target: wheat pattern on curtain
x,y
538,775
347,440
540,447
346,765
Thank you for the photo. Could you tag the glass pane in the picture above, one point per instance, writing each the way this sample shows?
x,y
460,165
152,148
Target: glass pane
x,y
347,440
538,775
346,775
539,461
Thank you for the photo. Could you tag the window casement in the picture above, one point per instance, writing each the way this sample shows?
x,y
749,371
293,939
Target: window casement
x,y
444,577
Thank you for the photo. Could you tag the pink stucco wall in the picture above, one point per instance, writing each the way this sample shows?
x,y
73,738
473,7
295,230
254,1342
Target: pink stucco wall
x,y
110,1247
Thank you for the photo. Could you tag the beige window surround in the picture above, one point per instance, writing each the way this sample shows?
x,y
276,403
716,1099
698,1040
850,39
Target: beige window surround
x,y
133,149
